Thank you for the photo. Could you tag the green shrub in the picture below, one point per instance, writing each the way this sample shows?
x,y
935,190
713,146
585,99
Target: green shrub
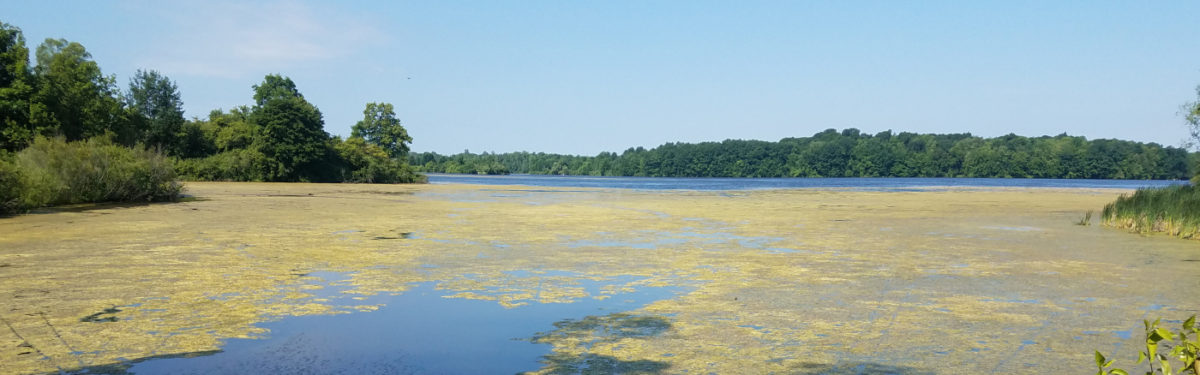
x,y
1174,210
10,184
233,165
352,160
53,172
363,162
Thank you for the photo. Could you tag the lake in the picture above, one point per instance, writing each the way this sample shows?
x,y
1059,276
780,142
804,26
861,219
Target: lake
x,y
858,183
540,274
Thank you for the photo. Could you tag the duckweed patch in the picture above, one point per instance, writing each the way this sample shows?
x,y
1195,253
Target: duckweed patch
x,y
948,286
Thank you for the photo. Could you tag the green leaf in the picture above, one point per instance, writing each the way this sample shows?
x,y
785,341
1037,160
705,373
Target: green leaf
x,y
1118,371
1099,359
1162,332
1190,323
1109,363
1141,357
1155,336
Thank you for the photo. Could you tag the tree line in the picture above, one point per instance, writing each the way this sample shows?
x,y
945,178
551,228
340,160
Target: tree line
x,y
64,95
849,153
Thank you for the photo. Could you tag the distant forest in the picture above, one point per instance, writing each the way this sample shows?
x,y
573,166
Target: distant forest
x,y
849,153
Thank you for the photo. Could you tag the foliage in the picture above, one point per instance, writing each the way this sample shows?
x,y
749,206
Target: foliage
x,y
468,163
233,165
158,109
1174,210
1185,351
380,127
74,99
291,130
850,153
282,138
10,183
368,163
1191,115
16,88
66,96
54,171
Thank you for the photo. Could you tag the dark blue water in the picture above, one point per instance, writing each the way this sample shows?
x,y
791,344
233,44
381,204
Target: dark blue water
x,y
416,332
881,184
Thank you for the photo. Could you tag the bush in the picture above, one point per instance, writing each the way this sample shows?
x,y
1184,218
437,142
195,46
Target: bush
x,y
367,163
10,184
234,165
1174,210
53,171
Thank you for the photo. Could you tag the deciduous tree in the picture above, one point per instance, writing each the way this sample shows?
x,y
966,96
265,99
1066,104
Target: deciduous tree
x,y
16,89
158,107
380,127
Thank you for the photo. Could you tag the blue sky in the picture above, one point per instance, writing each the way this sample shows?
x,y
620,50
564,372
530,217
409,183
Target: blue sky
x,y
584,77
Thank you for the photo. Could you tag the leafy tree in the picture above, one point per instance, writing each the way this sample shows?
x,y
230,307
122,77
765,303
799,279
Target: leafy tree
x,y
74,98
1191,114
851,153
275,86
159,109
16,88
368,163
291,130
380,127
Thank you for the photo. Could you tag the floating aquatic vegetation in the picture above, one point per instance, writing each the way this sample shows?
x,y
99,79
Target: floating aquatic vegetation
x,y
942,287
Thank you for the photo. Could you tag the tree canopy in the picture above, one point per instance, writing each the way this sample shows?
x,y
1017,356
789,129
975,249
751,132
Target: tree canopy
x,y
292,130
74,98
380,127
16,89
849,153
158,106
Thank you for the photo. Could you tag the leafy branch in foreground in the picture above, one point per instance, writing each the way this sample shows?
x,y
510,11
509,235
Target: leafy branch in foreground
x,y
1161,348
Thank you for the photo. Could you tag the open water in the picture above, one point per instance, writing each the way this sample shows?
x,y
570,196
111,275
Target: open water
x,y
853,183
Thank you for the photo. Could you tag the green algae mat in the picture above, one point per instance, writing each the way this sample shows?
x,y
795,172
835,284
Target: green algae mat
x,y
802,281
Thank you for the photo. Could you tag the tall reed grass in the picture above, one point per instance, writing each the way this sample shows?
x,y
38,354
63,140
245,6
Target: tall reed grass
x,y
1173,210
54,172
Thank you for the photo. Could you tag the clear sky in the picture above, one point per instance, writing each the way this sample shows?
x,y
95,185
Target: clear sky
x,y
584,77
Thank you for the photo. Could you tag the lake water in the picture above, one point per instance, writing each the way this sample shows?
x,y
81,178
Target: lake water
x,y
882,184
541,274
419,331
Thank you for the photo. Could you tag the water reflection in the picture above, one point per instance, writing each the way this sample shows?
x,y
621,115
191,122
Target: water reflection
x,y
424,330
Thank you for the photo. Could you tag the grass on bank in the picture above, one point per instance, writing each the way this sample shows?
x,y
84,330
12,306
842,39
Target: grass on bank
x,y
55,172
1173,210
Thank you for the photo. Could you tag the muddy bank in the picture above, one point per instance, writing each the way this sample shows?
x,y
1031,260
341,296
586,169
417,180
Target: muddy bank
x,y
808,281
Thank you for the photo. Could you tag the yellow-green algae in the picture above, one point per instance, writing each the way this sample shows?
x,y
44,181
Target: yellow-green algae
x,y
783,281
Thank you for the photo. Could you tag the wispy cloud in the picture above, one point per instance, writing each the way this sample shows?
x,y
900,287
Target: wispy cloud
x,y
234,39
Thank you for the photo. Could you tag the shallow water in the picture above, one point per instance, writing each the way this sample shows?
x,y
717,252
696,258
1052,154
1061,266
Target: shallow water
x,y
722,183
419,331
439,278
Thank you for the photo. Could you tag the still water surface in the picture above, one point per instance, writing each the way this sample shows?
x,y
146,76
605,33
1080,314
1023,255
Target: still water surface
x,y
855,183
417,332
851,276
